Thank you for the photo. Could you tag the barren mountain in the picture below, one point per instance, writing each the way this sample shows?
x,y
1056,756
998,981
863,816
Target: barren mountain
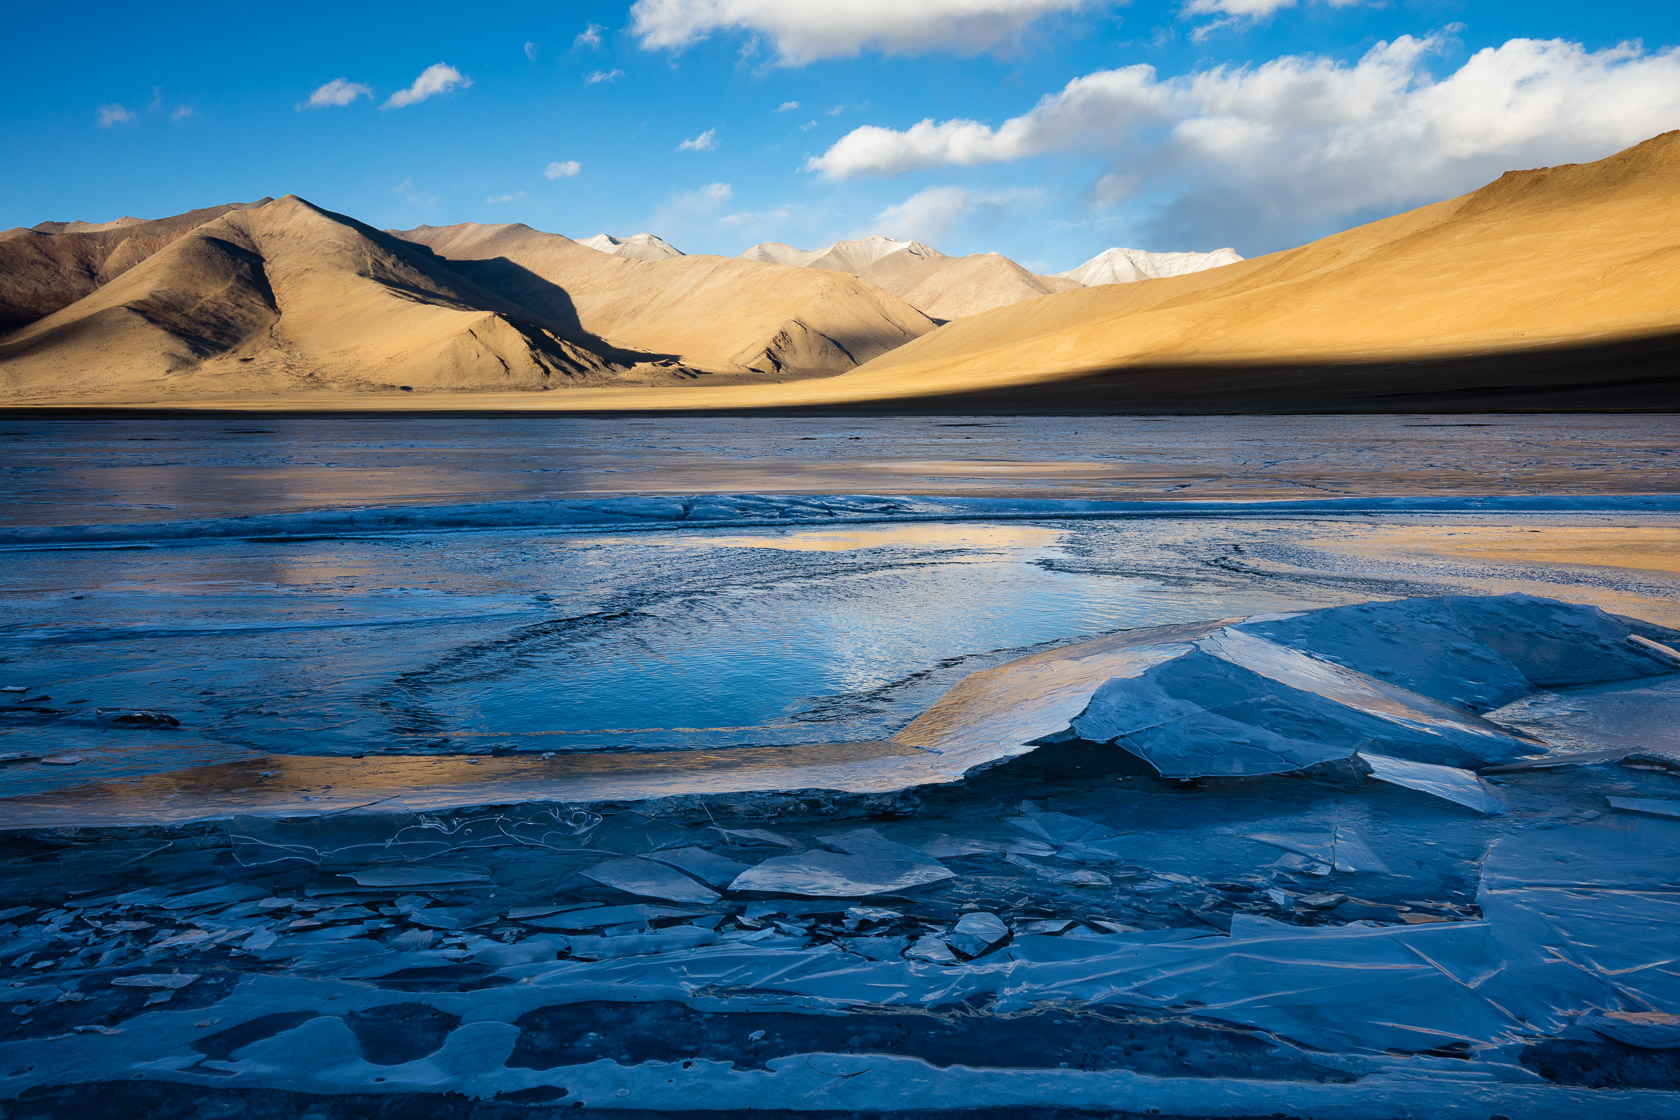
x,y
288,298
942,287
637,247
718,314
54,264
1128,266
1548,267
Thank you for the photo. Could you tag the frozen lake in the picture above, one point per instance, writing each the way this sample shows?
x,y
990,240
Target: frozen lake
x,y
339,751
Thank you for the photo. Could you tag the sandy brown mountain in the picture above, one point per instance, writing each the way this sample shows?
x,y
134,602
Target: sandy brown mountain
x,y
955,287
1552,288
1525,278
288,298
54,264
942,287
718,314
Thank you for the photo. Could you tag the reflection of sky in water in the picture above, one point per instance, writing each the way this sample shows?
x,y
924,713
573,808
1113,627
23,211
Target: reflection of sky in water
x,y
549,642
791,649
544,642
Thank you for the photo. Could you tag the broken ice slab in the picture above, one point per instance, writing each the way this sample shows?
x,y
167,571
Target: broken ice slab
x,y
1000,713
1337,847
932,949
976,933
650,880
1655,806
1479,652
170,981
833,875
421,876
639,944
707,866
1237,705
869,842
1648,1030
1640,716
601,917
1451,783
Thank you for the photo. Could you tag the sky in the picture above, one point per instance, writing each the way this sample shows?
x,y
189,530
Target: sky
x,y
1047,130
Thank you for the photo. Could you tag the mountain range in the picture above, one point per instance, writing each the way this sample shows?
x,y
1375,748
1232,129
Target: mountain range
x,y
1530,291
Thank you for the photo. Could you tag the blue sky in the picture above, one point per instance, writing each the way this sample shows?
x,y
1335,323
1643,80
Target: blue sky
x,y
1054,128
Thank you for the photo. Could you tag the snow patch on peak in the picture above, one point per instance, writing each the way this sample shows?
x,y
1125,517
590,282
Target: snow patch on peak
x,y
1127,266
842,256
639,247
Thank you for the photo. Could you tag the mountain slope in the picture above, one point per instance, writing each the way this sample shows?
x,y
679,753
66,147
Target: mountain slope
x,y
1128,266
637,247
718,314
54,264
953,287
286,297
1557,255
942,287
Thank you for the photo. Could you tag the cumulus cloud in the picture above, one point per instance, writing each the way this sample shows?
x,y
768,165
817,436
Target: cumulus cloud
x,y
704,142
1268,155
181,113
596,77
805,30
108,115
437,78
787,106
934,213
562,169
589,36
498,199
336,94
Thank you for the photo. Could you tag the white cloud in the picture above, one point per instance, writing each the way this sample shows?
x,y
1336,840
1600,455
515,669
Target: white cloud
x,y
181,113
787,106
530,50
498,199
113,113
1245,13
687,209
1253,9
805,30
1268,155
1250,9
704,142
755,218
435,79
589,36
562,169
336,93
596,77
413,194
934,213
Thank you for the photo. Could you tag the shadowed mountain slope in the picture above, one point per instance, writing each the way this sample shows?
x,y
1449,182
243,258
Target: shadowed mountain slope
x,y
719,314
54,264
1576,254
287,297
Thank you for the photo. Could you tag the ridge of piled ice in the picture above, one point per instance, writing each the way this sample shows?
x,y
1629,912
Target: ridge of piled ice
x,y
1478,652
1394,679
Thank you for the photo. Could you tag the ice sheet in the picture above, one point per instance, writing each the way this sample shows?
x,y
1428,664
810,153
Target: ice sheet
x,y
1451,783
